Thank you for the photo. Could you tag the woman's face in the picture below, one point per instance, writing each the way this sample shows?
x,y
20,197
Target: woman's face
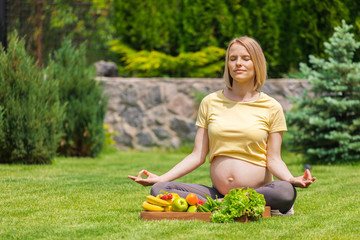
x,y
240,65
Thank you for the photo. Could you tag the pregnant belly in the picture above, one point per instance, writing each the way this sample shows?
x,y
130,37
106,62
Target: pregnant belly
x,y
227,173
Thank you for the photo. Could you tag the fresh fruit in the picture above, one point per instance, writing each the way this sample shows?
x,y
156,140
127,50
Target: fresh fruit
x,y
165,195
157,201
151,207
168,209
192,199
192,208
179,205
175,195
170,201
201,202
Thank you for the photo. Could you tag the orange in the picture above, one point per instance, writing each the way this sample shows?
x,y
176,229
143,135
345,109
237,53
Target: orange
x,y
192,199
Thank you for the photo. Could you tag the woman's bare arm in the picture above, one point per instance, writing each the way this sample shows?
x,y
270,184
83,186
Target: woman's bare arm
x,y
187,165
277,166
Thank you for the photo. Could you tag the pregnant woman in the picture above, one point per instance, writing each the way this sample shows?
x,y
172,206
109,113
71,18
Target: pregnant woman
x,y
241,129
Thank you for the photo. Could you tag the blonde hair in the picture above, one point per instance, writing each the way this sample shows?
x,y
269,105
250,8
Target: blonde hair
x,y
256,55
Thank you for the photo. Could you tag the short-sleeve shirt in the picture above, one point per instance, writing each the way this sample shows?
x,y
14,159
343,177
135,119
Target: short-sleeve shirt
x,y
240,129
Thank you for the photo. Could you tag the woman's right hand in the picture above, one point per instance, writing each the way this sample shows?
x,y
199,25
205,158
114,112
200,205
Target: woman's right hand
x,y
150,180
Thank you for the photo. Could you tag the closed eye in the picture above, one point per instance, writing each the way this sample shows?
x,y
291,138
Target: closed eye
x,y
245,58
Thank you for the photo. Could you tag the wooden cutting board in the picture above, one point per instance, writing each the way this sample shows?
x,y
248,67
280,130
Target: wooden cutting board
x,y
200,216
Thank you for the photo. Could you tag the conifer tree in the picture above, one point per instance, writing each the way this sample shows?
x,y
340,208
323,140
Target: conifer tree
x,y
84,101
327,117
1,125
31,114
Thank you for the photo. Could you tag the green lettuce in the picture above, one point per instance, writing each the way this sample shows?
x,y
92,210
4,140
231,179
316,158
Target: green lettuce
x,y
240,202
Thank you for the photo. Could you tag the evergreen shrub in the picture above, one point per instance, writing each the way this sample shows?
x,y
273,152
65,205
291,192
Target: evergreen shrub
x,y
83,97
327,117
208,62
31,113
282,27
1,124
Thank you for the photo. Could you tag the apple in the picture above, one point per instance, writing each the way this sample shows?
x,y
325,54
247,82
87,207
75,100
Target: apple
x,y
179,205
192,208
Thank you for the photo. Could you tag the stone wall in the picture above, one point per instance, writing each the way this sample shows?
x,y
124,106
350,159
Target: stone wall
x,y
160,112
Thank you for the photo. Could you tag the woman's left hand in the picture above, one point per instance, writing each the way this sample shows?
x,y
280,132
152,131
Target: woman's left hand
x,y
303,181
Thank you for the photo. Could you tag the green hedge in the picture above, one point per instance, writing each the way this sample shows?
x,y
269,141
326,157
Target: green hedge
x,y
2,134
83,97
42,111
288,30
31,113
208,62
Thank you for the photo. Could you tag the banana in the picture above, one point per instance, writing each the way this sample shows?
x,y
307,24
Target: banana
x,y
168,209
151,207
157,201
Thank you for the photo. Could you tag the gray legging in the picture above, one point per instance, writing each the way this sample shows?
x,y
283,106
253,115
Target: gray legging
x,y
278,195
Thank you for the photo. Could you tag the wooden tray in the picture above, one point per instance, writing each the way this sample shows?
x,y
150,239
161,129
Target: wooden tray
x,y
200,216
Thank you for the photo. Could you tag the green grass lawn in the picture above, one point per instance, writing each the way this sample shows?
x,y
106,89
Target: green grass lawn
x,y
82,198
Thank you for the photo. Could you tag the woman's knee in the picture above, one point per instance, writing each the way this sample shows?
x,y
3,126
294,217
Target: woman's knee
x,y
279,195
286,191
157,187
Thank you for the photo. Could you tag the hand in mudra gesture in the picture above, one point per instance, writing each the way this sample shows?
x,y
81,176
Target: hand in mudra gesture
x,y
303,181
150,179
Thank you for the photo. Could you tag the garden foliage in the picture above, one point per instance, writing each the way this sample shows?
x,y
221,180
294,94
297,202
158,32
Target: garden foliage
x,y
30,111
282,27
208,62
83,97
2,135
44,24
327,117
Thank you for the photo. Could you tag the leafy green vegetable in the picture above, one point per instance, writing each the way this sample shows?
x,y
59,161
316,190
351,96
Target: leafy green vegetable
x,y
240,202
210,206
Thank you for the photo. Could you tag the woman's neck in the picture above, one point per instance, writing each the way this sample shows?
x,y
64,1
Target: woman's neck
x,y
241,92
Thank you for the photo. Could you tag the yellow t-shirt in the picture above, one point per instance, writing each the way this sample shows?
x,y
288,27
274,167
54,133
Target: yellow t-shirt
x,y
240,129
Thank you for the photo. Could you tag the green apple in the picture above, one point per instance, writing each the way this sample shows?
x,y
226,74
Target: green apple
x,y
179,205
192,208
